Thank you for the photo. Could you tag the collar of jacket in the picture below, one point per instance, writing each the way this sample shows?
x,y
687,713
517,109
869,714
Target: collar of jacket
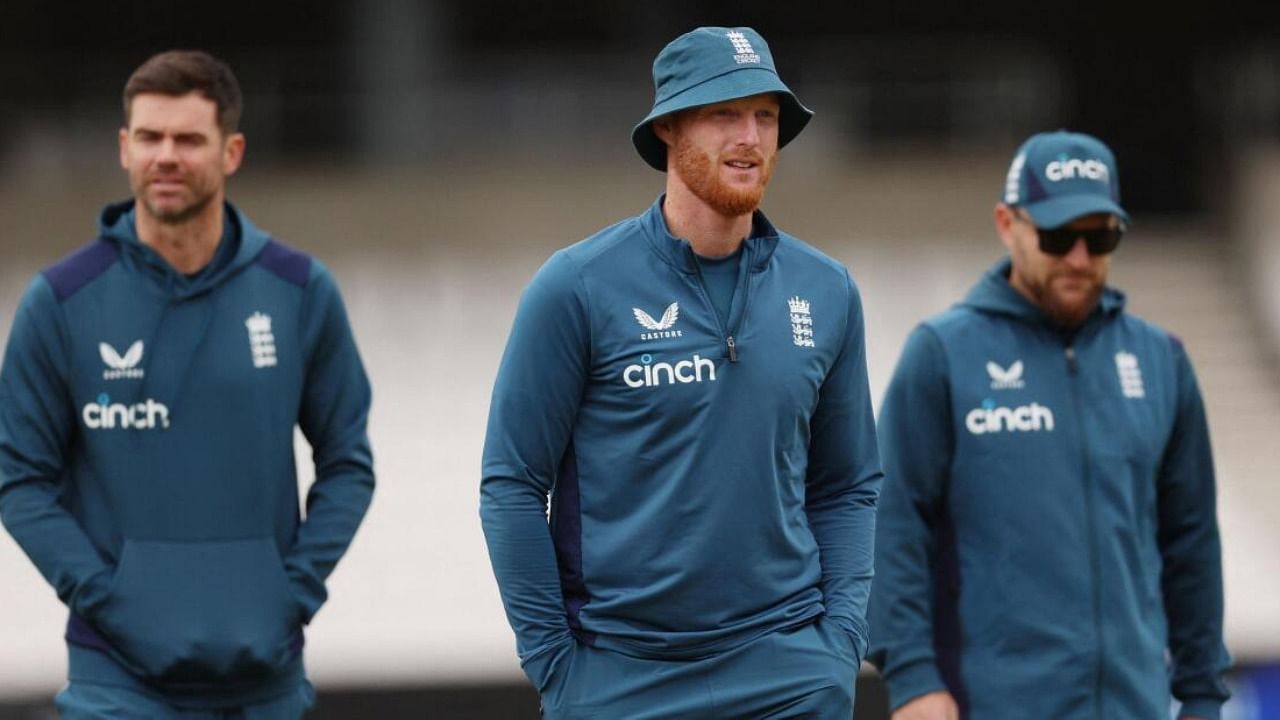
x,y
678,253
115,226
994,294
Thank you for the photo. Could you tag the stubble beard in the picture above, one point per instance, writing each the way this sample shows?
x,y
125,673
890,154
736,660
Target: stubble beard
x,y
699,171
1065,314
176,214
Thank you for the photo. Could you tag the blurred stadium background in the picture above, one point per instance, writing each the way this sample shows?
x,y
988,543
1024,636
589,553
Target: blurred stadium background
x,y
434,153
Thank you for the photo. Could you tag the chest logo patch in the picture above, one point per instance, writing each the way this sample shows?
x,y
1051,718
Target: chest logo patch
x,y
650,374
991,418
1130,375
262,343
102,414
662,328
1006,379
801,322
121,367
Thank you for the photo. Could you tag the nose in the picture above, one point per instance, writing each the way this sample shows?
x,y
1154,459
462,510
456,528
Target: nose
x,y
749,130
1078,256
167,152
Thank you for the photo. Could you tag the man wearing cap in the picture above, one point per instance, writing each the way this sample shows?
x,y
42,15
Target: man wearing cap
x,y
689,386
1048,534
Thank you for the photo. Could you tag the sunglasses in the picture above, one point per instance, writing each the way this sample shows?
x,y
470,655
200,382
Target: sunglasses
x,y
1059,241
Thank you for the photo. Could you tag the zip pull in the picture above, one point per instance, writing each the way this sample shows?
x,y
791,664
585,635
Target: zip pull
x,y
733,349
1070,352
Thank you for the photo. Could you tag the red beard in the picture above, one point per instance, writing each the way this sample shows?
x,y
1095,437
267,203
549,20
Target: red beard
x,y
700,172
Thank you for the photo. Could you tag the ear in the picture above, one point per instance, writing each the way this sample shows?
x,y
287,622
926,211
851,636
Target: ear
x,y
124,148
232,153
665,128
1005,219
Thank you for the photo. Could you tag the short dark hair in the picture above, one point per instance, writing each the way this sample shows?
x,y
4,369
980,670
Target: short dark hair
x,y
178,72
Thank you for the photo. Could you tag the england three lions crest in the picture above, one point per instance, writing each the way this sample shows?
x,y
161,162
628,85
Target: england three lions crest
x,y
801,322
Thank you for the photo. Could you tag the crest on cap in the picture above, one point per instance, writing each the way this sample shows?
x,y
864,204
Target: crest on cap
x,y
742,50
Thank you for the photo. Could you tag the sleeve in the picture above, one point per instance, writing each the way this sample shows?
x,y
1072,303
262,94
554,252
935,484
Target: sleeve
x,y
333,417
843,481
531,417
917,443
37,426
1191,580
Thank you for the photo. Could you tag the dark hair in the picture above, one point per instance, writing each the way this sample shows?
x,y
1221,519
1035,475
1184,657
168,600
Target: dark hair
x,y
178,72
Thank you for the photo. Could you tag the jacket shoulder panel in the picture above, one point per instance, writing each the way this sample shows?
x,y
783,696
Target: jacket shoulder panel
x,y
1141,325
70,274
950,321
793,245
619,235
291,265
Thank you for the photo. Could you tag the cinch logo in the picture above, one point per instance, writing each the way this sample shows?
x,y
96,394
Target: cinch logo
x,y
651,374
105,415
118,367
1065,168
992,419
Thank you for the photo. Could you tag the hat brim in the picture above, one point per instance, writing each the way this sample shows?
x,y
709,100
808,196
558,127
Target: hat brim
x,y
734,85
1055,212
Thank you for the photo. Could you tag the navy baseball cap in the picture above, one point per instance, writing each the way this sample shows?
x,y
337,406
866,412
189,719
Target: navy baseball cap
x,y
710,65
1060,176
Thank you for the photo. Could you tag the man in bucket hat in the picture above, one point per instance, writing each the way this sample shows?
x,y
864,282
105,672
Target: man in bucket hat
x,y
1047,545
689,386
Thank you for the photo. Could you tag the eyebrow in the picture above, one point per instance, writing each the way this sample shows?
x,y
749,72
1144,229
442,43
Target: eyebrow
x,y
144,130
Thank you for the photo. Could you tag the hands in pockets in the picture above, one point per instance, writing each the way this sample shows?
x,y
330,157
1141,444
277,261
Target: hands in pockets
x,y
548,670
199,612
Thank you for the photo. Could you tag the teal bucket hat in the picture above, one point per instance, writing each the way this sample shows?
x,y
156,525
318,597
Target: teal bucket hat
x,y
710,65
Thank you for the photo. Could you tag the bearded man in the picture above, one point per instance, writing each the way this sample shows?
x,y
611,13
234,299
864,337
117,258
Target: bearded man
x,y
1048,541
689,387
150,390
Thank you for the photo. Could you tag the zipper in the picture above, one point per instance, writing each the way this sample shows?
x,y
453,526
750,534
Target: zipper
x,y
730,344
1073,370
746,303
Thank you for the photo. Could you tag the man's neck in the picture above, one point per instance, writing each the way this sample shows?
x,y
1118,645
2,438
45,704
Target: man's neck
x,y
189,245
710,233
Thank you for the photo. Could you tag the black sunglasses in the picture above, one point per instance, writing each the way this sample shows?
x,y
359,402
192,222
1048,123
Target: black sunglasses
x,y
1059,241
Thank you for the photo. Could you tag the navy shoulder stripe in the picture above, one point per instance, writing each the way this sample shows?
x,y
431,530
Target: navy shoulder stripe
x,y
79,268
286,262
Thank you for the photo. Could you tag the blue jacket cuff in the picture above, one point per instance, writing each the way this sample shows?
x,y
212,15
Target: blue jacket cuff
x,y
911,681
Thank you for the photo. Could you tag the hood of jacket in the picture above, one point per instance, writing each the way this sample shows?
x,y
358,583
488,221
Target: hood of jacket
x,y
240,245
993,294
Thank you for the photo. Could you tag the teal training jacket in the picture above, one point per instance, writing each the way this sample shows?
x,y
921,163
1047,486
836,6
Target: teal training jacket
x,y
708,483
146,457
1048,526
